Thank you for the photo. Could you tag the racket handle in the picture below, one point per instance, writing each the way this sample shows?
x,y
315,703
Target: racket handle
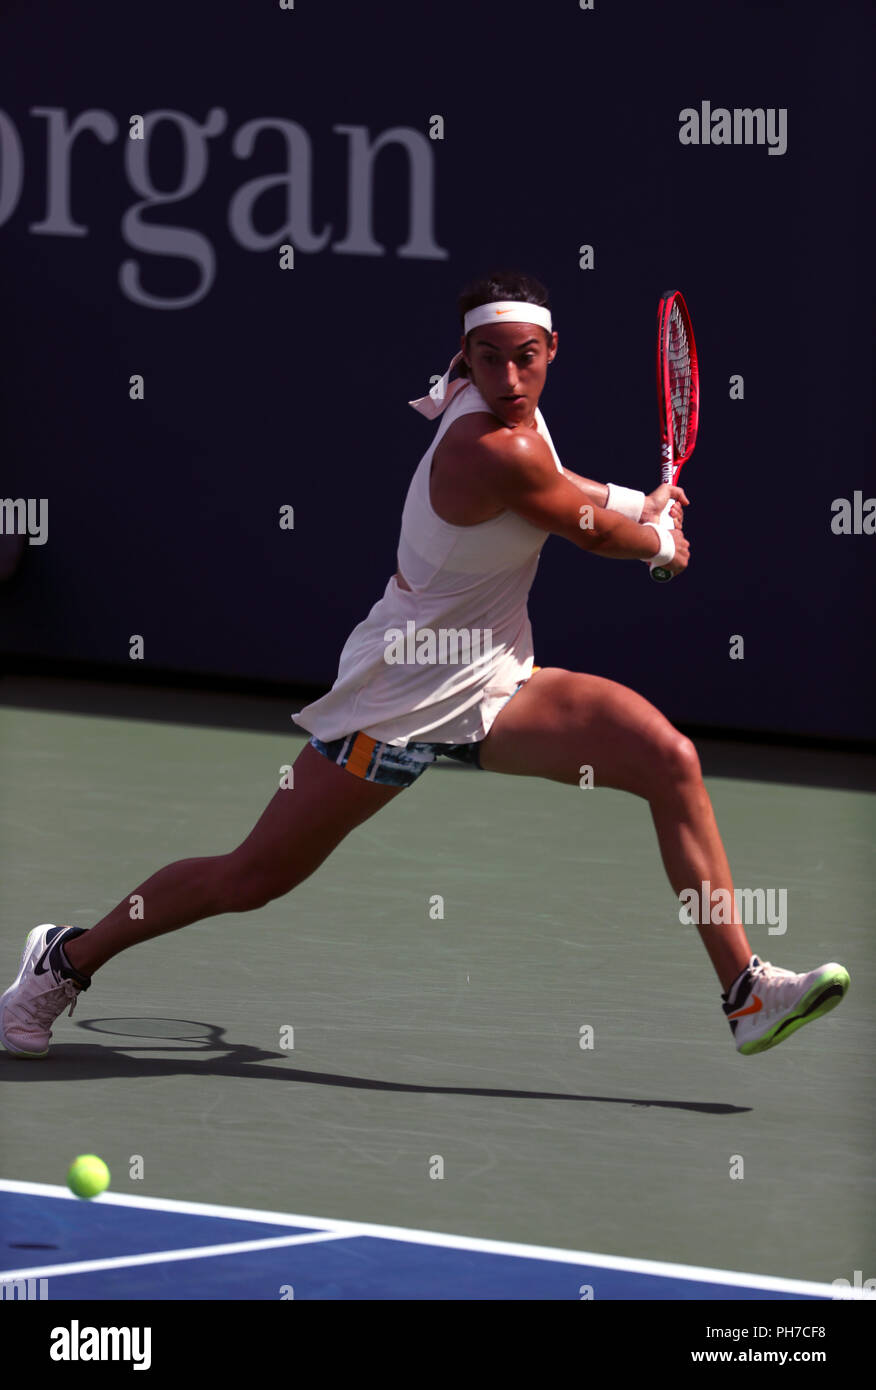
x,y
660,572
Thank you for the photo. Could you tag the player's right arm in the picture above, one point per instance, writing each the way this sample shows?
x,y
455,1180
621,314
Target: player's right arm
x,y
519,471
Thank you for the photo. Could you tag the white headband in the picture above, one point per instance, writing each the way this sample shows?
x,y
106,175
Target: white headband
x,y
509,311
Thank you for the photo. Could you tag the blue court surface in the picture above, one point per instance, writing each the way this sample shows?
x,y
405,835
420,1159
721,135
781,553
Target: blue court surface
x,y
117,1247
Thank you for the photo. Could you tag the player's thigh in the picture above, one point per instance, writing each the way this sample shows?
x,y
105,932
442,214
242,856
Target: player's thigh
x,y
561,722
303,823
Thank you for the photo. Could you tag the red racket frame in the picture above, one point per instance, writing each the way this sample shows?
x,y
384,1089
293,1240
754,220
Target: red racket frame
x,y
670,464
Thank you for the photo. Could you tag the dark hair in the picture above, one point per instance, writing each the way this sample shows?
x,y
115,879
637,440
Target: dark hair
x,y
499,285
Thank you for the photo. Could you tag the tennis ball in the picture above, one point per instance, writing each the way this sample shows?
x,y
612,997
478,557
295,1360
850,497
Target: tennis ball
x,y
88,1176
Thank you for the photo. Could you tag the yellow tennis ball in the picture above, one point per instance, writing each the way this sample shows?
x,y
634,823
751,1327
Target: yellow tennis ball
x,y
88,1176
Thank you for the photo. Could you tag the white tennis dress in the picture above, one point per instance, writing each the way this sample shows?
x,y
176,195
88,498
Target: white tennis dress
x,y
464,579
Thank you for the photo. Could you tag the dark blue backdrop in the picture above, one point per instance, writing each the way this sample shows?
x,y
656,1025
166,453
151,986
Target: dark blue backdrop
x,y
560,129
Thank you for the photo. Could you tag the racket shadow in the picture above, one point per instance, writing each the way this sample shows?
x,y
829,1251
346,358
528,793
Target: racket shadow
x,y
92,1061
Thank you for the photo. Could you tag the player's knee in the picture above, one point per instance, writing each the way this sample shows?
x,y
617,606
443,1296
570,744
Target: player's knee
x,y
680,759
247,887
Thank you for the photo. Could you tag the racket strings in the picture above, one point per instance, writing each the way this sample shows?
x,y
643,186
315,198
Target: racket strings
x,y
678,360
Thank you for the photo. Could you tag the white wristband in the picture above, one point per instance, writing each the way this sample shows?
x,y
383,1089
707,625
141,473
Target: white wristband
x,y
666,553
626,501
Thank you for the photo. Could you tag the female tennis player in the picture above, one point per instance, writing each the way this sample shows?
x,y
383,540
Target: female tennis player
x,y
443,666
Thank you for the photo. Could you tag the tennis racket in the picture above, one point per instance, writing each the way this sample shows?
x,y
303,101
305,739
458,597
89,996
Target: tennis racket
x,y
678,397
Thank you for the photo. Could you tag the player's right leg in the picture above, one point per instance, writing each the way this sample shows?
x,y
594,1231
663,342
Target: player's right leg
x,y
297,831
561,720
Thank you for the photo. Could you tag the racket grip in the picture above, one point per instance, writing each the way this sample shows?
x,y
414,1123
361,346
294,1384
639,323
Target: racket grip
x,y
659,572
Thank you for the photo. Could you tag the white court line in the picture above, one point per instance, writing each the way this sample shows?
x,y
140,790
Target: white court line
x,y
160,1257
657,1268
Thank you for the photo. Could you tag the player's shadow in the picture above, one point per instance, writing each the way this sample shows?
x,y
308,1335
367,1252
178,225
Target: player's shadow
x,y
93,1061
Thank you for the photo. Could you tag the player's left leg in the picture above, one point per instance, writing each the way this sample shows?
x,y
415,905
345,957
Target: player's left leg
x,y
560,722
294,835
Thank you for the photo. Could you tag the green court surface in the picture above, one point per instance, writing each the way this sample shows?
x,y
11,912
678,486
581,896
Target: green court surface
x,y
418,1037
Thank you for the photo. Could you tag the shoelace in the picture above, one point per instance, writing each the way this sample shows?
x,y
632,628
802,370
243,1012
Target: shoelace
x,y
776,985
46,1007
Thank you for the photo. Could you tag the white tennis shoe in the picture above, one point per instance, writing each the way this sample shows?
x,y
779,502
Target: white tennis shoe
x,y
42,990
765,1005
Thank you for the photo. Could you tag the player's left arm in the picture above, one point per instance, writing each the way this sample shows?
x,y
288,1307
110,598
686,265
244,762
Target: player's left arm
x,y
597,495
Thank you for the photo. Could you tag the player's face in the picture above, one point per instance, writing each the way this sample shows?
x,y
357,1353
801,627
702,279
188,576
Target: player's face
x,y
509,363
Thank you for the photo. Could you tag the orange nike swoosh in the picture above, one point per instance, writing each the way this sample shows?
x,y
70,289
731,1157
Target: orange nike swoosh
x,y
754,1008
503,311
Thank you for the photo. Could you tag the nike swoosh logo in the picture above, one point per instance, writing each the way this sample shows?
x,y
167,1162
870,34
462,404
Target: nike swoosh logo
x,y
754,1008
39,968
503,311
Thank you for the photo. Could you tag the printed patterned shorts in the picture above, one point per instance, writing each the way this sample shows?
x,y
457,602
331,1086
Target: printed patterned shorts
x,y
374,761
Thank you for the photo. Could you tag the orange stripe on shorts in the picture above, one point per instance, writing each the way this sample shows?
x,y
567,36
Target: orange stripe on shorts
x,y
360,755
